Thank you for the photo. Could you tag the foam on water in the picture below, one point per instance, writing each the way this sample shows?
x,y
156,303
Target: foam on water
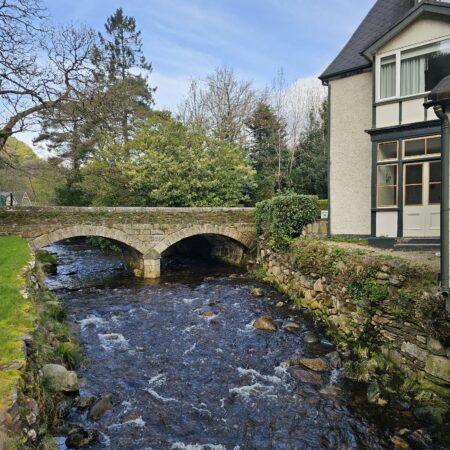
x,y
256,389
153,393
91,320
255,374
182,446
136,423
113,340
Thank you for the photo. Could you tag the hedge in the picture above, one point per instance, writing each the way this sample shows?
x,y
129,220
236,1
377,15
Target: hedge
x,y
282,218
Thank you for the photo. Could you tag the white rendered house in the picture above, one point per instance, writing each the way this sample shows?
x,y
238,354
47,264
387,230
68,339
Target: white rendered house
x,y
385,147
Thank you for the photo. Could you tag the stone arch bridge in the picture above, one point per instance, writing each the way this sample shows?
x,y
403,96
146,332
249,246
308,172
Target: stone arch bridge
x,y
145,233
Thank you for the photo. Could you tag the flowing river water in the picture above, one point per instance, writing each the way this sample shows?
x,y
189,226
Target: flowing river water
x,y
187,369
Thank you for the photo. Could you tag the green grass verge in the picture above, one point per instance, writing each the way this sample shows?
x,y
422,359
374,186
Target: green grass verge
x,y
15,311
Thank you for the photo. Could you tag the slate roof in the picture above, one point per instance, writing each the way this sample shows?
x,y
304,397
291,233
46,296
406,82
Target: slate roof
x,y
380,19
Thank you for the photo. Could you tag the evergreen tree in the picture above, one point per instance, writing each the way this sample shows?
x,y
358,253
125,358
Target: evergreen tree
x,y
267,150
122,56
310,173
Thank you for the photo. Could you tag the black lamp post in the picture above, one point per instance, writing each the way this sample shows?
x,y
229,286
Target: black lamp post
x,y
439,99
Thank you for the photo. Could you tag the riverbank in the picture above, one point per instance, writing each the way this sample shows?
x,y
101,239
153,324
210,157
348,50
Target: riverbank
x,y
383,311
16,321
33,336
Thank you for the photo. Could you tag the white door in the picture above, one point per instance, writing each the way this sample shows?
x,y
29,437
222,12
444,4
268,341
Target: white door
x,y
421,199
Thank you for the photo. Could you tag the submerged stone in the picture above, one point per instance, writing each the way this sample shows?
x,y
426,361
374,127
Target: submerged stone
x,y
373,392
265,323
79,437
291,326
101,407
257,292
306,376
315,364
311,338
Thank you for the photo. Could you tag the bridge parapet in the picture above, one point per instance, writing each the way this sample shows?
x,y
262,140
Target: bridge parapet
x,y
148,231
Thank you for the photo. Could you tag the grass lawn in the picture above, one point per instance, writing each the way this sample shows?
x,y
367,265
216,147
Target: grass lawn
x,y
15,319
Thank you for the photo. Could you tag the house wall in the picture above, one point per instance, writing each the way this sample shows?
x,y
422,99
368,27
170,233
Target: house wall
x,y
350,155
393,113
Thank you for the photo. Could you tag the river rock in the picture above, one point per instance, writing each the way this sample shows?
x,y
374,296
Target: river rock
x,y
306,376
58,379
279,305
265,323
318,286
78,437
101,407
85,402
257,292
315,364
207,314
291,326
310,338
399,443
334,360
435,347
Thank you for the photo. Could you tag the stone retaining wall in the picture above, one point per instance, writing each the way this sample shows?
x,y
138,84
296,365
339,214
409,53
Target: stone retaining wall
x,y
405,342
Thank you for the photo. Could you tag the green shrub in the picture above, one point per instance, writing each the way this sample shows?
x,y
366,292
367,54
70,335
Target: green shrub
x,y
283,218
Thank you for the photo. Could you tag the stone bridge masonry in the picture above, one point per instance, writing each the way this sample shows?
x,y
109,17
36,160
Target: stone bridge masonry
x,y
145,232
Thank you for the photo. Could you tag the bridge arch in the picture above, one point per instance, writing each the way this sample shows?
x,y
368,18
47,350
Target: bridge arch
x,y
86,230
199,230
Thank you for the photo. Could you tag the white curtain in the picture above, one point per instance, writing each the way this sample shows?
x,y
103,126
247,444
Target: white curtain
x,y
387,75
413,76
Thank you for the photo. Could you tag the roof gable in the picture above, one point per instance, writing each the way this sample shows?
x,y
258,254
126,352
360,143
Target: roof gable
x,y
380,19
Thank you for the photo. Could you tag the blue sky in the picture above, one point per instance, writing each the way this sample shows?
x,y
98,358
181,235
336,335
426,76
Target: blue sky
x,y
185,38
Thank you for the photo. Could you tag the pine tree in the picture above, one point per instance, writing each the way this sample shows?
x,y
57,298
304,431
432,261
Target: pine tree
x,y
122,55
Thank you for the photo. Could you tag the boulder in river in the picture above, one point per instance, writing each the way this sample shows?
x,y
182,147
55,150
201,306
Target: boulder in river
x,y
291,326
315,364
306,376
207,314
265,323
101,407
58,379
310,338
85,402
257,292
79,437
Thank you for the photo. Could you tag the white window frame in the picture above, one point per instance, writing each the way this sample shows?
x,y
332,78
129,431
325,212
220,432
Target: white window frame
x,y
398,61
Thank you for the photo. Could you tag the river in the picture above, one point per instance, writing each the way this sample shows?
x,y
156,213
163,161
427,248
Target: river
x,y
188,370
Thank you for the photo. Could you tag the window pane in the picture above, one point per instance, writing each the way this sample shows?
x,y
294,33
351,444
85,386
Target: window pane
x,y
387,196
413,174
415,148
387,150
435,193
387,175
434,145
438,65
413,195
388,77
413,76
435,172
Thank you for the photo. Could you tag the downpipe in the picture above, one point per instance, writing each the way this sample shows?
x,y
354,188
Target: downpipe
x,y
444,115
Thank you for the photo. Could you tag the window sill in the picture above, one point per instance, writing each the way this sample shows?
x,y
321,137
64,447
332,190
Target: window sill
x,y
391,100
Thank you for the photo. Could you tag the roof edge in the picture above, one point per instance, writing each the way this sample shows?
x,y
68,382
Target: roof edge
x,y
413,15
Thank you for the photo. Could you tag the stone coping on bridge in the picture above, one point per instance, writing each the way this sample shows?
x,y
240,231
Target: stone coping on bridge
x,y
128,209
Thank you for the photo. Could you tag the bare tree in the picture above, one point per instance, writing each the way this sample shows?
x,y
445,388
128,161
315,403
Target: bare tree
x,y
221,104
39,67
